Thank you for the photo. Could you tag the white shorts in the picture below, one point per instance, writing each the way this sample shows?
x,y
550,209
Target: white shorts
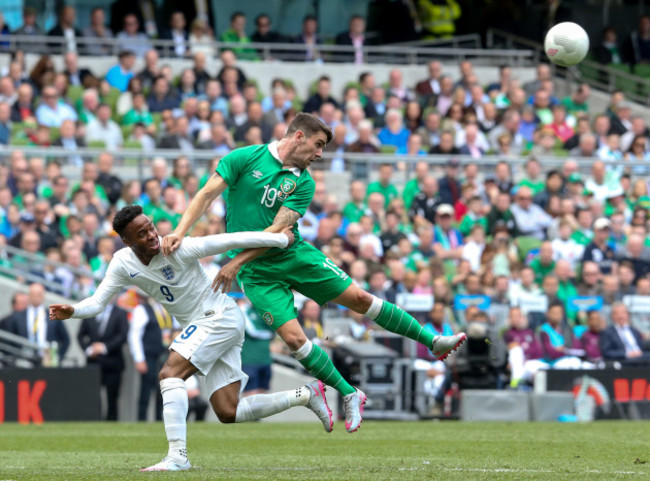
x,y
213,345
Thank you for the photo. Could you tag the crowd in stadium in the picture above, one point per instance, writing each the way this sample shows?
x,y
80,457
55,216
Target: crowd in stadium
x,y
451,232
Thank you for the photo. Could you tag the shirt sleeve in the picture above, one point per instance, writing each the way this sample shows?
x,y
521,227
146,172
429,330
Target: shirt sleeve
x,y
199,247
111,285
139,321
302,197
233,165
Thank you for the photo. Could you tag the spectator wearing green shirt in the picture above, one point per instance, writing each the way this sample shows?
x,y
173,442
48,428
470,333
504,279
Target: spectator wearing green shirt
x,y
384,185
356,208
578,102
256,351
139,114
182,169
105,251
584,234
533,180
153,192
473,217
237,34
166,210
564,274
90,175
414,186
87,105
543,264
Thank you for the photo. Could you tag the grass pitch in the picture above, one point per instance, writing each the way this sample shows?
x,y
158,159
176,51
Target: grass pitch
x,y
380,450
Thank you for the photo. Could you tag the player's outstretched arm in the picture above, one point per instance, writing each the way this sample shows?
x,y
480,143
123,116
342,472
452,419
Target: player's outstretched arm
x,y
198,206
212,245
59,312
284,219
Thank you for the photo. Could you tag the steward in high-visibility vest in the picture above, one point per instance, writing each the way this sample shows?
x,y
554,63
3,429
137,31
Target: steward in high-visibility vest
x,y
437,17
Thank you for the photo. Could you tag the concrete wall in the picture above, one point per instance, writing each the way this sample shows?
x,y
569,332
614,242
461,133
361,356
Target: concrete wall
x,y
302,74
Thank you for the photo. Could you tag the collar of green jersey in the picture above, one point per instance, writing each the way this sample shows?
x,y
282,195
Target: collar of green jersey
x,y
273,148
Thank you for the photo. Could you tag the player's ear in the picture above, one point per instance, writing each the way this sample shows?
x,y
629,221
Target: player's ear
x,y
299,136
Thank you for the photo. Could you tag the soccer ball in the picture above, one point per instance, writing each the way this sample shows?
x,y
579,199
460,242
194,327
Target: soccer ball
x,y
566,44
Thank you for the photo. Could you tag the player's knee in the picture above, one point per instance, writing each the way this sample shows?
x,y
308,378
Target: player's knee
x,y
227,415
295,340
362,301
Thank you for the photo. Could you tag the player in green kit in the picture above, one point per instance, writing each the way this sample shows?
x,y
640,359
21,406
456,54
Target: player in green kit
x,y
269,188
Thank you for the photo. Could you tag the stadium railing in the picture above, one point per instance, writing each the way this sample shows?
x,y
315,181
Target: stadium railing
x,y
38,260
394,54
17,351
138,160
597,75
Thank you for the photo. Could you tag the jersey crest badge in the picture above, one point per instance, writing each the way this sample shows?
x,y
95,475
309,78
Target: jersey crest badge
x,y
288,186
268,318
168,272
257,174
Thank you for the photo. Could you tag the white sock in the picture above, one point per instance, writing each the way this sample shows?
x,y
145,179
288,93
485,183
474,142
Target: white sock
x,y
375,308
260,406
303,351
175,403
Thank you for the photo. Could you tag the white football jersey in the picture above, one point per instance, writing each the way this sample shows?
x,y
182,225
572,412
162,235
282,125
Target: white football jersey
x,y
178,282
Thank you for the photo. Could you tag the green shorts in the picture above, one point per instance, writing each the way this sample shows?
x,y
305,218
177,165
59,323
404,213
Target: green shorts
x,y
268,281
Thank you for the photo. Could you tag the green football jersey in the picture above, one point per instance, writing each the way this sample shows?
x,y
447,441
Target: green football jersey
x,y
258,186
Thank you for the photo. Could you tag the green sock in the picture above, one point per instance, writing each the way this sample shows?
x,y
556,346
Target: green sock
x,y
394,319
319,365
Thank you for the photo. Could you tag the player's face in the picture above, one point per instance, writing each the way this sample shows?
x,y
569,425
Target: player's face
x,y
308,148
141,236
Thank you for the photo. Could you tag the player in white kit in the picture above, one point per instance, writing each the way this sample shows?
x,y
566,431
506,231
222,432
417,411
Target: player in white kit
x,y
213,327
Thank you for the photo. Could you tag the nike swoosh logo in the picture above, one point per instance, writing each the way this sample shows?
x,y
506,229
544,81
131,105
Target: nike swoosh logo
x,y
133,275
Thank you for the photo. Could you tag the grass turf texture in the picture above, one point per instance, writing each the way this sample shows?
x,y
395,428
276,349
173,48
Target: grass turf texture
x,y
380,450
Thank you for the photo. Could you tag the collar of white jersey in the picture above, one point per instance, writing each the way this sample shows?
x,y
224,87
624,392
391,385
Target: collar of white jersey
x,y
273,148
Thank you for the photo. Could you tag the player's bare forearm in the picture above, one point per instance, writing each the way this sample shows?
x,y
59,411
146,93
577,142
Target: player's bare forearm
x,y
200,203
285,218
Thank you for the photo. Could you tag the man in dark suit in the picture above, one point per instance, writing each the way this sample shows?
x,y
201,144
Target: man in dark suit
x,y
23,107
264,34
308,37
65,28
19,303
179,139
75,74
431,86
323,95
621,341
178,33
150,323
102,338
33,323
354,37
448,186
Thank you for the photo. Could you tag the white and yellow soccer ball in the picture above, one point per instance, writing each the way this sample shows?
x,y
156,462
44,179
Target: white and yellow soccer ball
x,y
566,44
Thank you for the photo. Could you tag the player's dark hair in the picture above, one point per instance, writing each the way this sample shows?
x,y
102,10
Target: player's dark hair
x,y
124,217
309,124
